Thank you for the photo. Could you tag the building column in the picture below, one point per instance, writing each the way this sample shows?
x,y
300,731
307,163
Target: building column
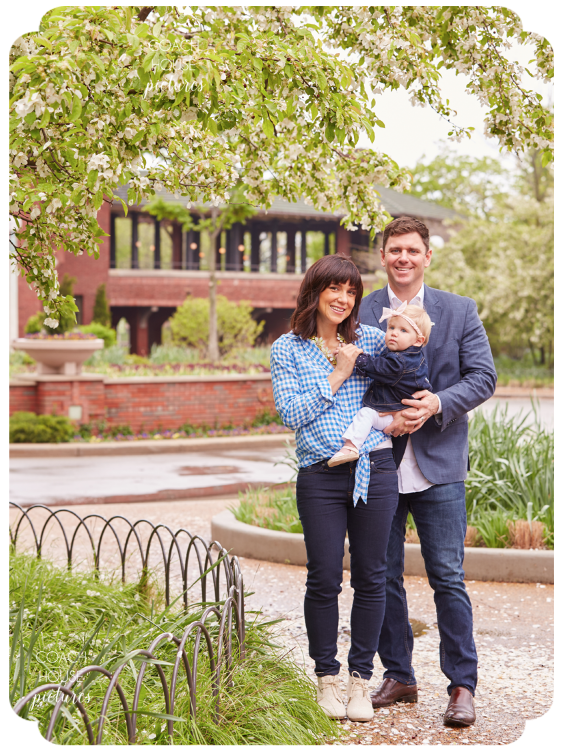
x,y
112,245
343,241
291,249
326,243
273,262
142,331
192,245
134,240
303,250
233,255
156,244
176,246
255,255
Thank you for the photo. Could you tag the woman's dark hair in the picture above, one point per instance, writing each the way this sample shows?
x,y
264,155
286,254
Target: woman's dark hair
x,y
323,273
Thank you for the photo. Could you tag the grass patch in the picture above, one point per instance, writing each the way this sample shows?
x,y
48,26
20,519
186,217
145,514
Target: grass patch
x,y
523,372
61,621
274,509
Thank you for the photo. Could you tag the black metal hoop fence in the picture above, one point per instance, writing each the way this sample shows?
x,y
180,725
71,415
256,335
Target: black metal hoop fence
x,y
170,551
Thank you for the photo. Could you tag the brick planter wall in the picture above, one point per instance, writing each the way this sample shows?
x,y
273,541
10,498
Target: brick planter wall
x,y
149,403
23,397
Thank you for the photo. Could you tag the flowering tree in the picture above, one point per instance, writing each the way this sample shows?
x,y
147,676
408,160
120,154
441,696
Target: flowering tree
x,y
195,99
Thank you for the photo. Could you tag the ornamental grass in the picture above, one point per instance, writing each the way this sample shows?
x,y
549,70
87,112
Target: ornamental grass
x,y
61,621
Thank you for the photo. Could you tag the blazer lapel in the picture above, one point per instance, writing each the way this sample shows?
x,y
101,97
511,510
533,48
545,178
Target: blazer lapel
x,y
379,301
433,307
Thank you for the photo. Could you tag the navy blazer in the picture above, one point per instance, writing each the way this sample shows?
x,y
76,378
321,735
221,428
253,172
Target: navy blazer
x,y
396,376
461,370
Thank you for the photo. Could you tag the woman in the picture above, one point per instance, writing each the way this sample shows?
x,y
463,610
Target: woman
x,y
317,393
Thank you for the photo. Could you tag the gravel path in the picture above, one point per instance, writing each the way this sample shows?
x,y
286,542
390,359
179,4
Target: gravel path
x,y
513,633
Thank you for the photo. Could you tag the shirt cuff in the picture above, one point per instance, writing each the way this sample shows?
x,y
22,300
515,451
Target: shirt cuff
x,y
439,413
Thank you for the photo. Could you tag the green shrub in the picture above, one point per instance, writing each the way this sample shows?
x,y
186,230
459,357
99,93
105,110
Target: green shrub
x,y
40,429
108,335
236,327
265,418
102,314
34,323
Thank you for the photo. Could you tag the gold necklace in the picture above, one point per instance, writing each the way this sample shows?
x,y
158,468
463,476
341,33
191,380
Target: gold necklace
x,y
321,345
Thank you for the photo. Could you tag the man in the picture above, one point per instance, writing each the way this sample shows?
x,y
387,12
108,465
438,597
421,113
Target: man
x,y
432,472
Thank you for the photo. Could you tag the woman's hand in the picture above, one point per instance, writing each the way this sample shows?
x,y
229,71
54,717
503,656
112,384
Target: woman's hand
x,y
346,357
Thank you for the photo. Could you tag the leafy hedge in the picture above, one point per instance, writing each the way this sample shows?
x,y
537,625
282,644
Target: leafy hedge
x,y
29,428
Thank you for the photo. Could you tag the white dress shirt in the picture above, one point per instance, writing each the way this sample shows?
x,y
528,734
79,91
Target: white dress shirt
x,y
410,477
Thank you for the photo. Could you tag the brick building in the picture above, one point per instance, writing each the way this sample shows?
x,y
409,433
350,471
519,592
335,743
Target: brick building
x,y
149,267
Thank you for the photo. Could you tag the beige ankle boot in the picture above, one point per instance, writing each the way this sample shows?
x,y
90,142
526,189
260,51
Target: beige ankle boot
x,y
359,707
329,696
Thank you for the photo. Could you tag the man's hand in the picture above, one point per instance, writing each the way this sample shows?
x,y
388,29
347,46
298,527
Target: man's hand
x,y
424,405
410,420
398,425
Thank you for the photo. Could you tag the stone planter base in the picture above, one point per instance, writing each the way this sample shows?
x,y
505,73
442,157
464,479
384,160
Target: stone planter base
x,y
497,564
59,356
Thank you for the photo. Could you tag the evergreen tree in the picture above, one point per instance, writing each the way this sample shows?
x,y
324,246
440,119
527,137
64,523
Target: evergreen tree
x,y
102,314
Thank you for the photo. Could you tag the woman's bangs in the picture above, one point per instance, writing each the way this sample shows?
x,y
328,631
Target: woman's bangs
x,y
346,273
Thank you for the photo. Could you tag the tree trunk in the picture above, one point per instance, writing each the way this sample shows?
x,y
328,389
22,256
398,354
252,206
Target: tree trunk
x,y
213,353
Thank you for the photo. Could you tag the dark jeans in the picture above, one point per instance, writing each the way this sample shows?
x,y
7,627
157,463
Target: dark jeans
x,y
325,504
440,516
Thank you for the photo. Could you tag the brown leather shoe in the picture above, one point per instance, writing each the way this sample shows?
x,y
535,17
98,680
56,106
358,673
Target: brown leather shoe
x,y
460,710
391,691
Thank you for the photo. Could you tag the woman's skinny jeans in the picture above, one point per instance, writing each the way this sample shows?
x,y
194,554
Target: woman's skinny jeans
x,y
325,504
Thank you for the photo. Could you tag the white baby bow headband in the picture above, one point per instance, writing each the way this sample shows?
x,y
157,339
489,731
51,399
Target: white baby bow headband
x,y
388,313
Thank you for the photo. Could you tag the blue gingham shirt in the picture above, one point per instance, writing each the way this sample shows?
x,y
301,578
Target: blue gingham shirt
x,y
303,397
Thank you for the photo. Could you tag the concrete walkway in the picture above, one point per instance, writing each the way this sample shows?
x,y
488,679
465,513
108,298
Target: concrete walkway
x,y
513,628
62,480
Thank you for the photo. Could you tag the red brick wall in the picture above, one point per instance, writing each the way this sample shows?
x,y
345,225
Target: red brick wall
x,y
57,396
170,404
148,288
23,397
150,404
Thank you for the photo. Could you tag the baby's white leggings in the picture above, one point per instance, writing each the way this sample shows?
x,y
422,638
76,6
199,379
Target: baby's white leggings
x,y
364,420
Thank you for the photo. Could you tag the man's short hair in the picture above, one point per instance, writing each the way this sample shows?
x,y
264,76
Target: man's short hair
x,y
404,225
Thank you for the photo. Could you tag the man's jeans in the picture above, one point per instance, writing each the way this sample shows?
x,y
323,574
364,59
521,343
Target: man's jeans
x,y
325,504
440,516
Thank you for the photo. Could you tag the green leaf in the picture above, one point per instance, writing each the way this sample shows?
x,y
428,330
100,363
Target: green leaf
x,y
45,119
148,61
268,127
330,132
76,108
92,177
164,717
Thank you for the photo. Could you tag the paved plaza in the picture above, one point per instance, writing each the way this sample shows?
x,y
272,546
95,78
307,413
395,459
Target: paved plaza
x,y
513,623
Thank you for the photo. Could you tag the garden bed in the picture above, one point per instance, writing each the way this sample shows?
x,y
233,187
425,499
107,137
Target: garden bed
x,y
63,621
509,489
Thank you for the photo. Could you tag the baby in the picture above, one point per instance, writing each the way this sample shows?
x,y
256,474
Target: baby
x,y
397,372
